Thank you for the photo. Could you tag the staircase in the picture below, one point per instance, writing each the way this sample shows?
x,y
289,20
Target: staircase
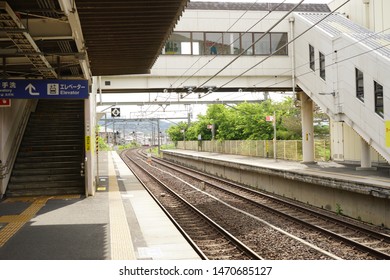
x,y
52,150
346,48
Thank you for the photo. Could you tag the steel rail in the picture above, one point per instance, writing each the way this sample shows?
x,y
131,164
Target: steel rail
x,y
362,247
237,243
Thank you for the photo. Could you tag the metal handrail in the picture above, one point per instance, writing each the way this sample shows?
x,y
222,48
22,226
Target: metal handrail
x,y
6,168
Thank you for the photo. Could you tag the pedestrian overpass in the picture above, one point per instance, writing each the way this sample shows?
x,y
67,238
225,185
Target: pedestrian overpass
x,y
325,58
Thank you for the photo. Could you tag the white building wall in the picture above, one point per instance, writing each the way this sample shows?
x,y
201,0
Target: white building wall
x,y
372,15
340,78
378,19
225,21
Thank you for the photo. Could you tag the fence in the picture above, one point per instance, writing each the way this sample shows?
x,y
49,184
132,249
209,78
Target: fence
x,y
285,149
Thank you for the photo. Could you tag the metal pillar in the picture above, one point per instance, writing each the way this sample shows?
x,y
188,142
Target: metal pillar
x,y
158,136
307,128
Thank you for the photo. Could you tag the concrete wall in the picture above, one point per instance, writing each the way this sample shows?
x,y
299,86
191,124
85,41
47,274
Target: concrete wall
x,y
363,202
10,118
345,145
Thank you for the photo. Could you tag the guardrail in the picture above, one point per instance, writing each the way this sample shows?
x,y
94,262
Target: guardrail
x,y
285,149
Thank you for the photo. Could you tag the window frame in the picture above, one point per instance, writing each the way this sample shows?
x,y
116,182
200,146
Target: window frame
x,y
321,58
173,47
312,59
278,51
378,91
359,89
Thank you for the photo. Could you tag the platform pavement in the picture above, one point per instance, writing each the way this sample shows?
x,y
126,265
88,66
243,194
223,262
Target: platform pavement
x,y
330,169
121,221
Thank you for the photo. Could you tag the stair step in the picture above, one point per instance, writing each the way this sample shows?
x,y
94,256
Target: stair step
x,y
38,129
33,147
46,137
26,186
50,153
48,164
52,133
55,142
20,172
52,150
45,178
46,191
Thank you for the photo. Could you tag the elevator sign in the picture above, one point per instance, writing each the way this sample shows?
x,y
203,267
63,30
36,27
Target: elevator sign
x,y
28,89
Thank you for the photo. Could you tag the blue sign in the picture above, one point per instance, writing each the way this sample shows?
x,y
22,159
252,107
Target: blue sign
x,y
27,89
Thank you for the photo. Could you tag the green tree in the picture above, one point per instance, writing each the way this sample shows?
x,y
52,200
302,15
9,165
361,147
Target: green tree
x,y
175,132
248,121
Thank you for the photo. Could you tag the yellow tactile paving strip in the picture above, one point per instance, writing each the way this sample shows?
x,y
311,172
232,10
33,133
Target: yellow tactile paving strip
x,y
121,244
15,222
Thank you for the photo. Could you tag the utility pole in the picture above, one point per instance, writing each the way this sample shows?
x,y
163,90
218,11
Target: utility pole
x,y
274,122
158,136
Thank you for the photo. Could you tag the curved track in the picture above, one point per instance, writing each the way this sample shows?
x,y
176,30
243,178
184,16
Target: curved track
x,y
349,238
362,237
265,238
209,239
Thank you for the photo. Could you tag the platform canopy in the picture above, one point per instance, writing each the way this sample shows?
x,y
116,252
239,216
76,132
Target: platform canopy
x,y
54,39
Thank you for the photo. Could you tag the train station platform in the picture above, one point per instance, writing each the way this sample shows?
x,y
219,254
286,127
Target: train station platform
x,y
327,169
360,194
121,222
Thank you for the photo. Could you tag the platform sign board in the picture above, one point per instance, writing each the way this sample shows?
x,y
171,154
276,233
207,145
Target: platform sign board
x,y
5,103
115,112
387,131
51,89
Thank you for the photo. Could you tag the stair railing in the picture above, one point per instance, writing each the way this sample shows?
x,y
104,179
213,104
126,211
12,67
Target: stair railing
x,y
6,168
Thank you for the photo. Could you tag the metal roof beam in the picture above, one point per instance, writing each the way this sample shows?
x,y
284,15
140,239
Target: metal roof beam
x,y
186,102
24,41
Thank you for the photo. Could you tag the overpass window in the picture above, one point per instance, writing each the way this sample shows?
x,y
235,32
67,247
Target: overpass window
x,y
179,43
311,57
378,88
322,65
213,43
263,46
359,84
279,43
231,43
246,42
197,43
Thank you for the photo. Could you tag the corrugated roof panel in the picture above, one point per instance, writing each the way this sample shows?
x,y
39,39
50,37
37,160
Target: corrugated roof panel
x,y
335,24
378,42
256,6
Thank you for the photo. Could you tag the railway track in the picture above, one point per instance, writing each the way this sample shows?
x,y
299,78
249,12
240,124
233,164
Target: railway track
x,y
269,241
361,242
208,239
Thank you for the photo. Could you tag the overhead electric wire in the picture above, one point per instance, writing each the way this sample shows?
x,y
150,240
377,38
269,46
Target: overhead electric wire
x,y
241,34
189,68
243,52
332,64
331,53
266,58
